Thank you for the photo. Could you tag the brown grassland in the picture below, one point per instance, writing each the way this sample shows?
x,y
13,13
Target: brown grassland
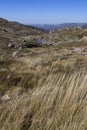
x,y
47,87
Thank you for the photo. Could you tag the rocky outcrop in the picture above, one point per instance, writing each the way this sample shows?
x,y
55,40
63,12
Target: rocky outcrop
x,y
84,39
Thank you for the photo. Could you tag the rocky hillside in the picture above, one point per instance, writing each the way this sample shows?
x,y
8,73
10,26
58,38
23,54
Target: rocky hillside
x,y
14,34
42,87
18,28
66,35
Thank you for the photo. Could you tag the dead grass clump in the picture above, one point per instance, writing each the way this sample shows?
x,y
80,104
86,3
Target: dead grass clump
x,y
80,63
29,81
8,80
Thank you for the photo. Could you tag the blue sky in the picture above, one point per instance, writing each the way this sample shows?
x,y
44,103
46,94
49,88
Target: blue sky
x,y
44,11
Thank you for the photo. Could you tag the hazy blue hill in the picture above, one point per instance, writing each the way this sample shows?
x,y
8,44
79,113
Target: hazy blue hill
x,y
59,26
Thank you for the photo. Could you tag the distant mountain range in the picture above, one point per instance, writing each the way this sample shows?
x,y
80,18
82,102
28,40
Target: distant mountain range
x,y
49,27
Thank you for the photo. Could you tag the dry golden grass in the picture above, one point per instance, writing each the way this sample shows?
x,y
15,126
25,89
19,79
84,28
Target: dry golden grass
x,y
60,104
51,93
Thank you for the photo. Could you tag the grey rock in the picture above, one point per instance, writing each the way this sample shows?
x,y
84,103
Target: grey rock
x,y
11,45
5,98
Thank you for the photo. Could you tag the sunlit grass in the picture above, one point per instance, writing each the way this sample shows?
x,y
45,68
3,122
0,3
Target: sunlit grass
x,y
48,91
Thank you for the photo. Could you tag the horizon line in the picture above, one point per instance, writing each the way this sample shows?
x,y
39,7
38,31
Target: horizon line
x,y
42,23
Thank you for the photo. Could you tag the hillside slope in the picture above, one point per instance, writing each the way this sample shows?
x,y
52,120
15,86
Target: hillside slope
x,y
16,33
43,87
18,28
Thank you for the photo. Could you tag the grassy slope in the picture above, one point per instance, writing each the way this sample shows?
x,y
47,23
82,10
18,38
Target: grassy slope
x,y
47,86
48,90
